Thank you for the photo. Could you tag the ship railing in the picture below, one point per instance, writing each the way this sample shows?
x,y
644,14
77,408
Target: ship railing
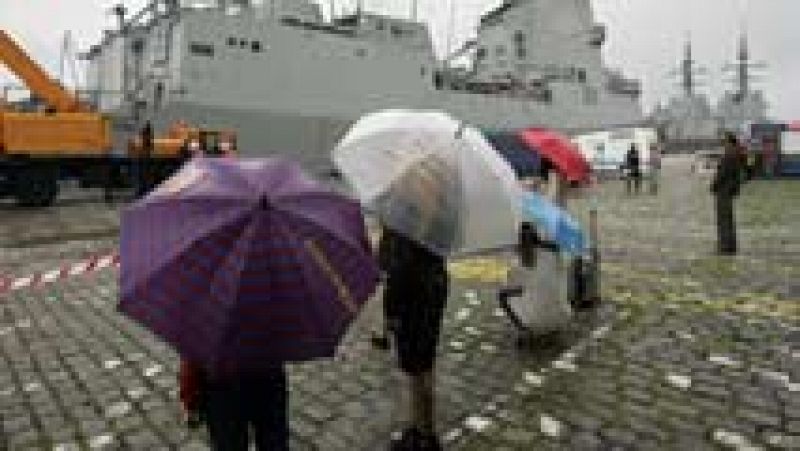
x,y
325,28
500,89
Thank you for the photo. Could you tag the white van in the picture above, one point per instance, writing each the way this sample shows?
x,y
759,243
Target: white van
x,y
606,150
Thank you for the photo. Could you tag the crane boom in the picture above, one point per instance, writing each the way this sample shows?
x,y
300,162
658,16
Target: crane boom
x,y
36,78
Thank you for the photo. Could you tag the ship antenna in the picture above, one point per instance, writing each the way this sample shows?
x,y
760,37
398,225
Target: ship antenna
x,y
450,25
688,63
414,10
744,52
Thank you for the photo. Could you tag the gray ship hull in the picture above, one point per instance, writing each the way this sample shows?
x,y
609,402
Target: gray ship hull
x,y
310,139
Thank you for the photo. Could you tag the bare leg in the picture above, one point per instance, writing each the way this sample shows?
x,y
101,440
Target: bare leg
x,y
422,402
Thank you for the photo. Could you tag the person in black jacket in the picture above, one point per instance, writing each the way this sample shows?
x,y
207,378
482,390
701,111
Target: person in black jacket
x,y
632,164
725,186
145,181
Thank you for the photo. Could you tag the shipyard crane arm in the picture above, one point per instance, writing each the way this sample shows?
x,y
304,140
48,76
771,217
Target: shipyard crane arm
x,y
35,78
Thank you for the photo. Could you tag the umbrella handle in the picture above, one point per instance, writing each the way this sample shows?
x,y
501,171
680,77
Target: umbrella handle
x,y
460,131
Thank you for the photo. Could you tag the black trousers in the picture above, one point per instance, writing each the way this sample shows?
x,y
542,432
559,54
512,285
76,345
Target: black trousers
x,y
633,181
414,310
726,225
257,401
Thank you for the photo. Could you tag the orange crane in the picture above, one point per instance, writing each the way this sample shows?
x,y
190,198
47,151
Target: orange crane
x,y
35,145
70,139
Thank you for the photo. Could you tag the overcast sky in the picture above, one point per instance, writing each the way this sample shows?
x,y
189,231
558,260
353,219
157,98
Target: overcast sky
x,y
645,36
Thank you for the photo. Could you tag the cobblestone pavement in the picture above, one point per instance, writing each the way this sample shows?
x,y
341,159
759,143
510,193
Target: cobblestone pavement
x,y
78,225
689,351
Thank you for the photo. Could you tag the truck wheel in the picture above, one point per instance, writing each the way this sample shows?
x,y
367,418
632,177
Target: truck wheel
x,y
38,187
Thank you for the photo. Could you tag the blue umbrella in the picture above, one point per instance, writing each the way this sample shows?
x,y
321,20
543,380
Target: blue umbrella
x,y
556,223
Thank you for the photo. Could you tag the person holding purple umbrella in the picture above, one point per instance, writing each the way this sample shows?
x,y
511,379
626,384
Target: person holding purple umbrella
x,y
257,399
244,266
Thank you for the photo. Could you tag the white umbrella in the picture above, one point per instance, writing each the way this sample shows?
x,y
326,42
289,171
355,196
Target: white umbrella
x,y
433,179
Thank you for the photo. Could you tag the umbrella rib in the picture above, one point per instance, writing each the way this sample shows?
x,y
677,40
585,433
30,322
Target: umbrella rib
x,y
297,215
247,229
161,200
334,277
178,253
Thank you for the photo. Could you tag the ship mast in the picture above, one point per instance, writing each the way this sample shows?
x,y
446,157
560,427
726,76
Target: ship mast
x,y
450,25
743,68
687,70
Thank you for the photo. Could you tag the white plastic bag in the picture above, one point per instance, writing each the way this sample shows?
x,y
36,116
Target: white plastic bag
x,y
543,306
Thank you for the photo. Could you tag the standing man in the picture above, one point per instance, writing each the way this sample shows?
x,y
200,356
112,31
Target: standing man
x,y
145,176
725,187
655,167
632,162
416,290
415,298
770,157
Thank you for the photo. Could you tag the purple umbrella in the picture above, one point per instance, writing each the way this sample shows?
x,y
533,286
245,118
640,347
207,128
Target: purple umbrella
x,y
244,263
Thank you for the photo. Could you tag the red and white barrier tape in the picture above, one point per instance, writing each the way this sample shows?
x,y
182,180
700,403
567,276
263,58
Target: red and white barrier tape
x,y
90,265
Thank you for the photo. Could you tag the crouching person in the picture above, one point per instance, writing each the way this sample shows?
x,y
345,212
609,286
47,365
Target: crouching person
x,y
536,297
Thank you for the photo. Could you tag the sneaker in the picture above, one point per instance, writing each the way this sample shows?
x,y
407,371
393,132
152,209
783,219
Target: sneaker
x,y
381,342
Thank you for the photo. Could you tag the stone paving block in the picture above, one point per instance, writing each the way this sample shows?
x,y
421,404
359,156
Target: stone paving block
x,y
586,441
780,440
615,437
142,439
63,434
759,419
719,393
92,427
128,423
22,439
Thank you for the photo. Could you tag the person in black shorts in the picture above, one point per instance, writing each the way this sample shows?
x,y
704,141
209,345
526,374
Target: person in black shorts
x,y
415,296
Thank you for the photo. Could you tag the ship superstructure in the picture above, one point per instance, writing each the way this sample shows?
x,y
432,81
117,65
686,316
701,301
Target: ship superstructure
x,y
290,81
743,105
689,121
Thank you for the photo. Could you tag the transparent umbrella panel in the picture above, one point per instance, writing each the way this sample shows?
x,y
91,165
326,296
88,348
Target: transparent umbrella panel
x,y
432,179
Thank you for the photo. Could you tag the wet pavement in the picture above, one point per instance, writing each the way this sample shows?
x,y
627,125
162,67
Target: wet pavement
x,y
689,350
78,225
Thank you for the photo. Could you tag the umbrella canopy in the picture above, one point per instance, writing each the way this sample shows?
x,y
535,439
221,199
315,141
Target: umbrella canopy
x,y
558,150
556,223
432,179
244,263
524,162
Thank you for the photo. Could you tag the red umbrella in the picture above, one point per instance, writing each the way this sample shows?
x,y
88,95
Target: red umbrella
x,y
558,150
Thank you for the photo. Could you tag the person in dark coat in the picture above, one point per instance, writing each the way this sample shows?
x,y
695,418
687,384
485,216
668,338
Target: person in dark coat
x,y
633,165
655,167
145,170
725,186
415,297
233,404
